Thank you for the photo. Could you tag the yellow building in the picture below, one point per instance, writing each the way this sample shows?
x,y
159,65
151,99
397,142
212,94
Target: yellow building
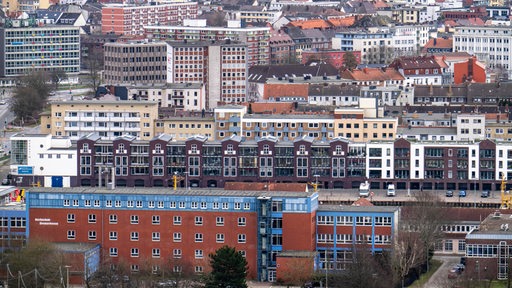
x,y
109,119
498,130
182,128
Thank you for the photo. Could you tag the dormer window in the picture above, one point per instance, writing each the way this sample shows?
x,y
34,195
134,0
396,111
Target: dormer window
x,y
193,148
229,148
158,148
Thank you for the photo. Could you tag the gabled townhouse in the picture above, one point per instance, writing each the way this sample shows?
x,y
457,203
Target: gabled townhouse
x,y
419,70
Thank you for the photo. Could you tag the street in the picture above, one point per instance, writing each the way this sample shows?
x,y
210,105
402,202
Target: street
x,y
440,278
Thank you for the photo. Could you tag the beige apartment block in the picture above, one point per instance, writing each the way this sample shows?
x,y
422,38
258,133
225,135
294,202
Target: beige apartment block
x,y
353,124
109,119
182,128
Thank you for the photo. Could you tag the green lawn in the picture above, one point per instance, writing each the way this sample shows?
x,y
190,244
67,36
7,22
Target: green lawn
x,y
434,265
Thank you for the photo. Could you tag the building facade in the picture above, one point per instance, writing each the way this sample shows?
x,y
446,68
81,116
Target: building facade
x,y
43,48
256,38
130,20
159,227
135,62
109,119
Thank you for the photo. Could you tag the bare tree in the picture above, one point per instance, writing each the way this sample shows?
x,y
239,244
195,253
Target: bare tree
x,y
94,63
408,254
297,271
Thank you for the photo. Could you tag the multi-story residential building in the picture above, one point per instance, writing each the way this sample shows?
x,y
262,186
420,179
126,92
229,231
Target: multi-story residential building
x,y
185,125
338,162
130,19
282,48
253,14
490,44
159,227
419,70
376,45
409,39
470,127
180,96
388,95
255,38
220,66
25,48
135,62
406,15
109,119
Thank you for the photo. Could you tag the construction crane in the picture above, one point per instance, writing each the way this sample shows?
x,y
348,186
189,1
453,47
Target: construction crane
x,y
506,198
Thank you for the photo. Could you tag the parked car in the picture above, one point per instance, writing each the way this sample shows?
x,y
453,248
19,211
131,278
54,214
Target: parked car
x,y
6,182
485,194
391,190
455,271
462,193
449,193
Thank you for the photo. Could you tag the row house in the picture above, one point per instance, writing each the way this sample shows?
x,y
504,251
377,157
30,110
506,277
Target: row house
x,y
336,163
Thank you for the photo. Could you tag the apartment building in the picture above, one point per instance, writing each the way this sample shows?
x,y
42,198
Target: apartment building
x,y
410,39
423,70
376,45
25,48
360,125
220,66
256,38
470,127
124,19
186,125
160,227
490,44
109,119
135,62
180,96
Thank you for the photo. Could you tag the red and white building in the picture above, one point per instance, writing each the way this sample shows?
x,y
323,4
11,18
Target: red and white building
x,y
129,20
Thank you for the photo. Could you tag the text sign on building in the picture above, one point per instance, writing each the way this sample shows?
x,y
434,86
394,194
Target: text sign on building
x,y
25,170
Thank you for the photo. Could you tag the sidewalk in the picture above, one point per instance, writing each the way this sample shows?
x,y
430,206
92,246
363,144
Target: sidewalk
x,y
254,284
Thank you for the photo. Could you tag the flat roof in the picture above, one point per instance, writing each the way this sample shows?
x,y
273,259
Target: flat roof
x,y
350,208
169,191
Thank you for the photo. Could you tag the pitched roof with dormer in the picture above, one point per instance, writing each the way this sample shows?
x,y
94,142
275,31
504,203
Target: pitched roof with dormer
x,y
412,62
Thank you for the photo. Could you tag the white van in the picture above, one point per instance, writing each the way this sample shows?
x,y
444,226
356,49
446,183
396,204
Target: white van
x,y
391,190
364,189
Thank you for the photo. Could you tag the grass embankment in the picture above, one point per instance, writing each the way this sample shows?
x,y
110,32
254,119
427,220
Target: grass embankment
x,y
434,265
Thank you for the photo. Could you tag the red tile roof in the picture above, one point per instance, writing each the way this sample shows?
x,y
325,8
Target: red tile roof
x,y
372,74
280,90
342,22
310,24
439,43
362,202
274,107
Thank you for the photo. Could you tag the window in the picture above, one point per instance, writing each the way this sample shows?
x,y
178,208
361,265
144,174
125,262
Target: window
x,y
71,234
220,221
176,236
134,268
199,220
241,221
173,204
241,238
199,254
199,269
151,204
176,253
87,203
155,252
92,235
177,220
160,204
75,203
238,205
247,206
66,202
129,203
134,236
112,219
155,220
181,205
215,205
155,236
113,252
134,252
71,218
92,218
225,205
112,235
219,238
117,203
199,237
134,219
139,204
108,203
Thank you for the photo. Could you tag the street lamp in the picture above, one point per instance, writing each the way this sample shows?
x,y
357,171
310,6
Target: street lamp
x,y
67,275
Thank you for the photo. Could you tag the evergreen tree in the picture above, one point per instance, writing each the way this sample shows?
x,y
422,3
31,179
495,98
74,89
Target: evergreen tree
x,y
229,269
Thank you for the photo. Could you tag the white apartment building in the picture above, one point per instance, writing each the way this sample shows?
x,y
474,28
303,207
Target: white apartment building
x,y
185,96
376,44
491,44
43,159
409,39
470,127
429,13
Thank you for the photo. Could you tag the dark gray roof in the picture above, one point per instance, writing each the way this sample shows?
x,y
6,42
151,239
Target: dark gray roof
x,y
262,73
47,14
68,18
334,89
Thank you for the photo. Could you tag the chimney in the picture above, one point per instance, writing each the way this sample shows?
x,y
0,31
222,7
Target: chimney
x,y
435,41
